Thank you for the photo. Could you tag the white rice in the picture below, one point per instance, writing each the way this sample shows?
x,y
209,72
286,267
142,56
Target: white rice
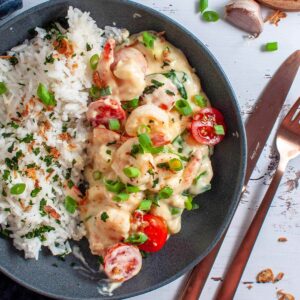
x,y
69,79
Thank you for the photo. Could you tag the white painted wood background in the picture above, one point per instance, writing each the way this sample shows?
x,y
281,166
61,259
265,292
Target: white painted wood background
x,y
248,69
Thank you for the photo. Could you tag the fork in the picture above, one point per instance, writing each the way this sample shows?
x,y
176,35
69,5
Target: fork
x,y
288,147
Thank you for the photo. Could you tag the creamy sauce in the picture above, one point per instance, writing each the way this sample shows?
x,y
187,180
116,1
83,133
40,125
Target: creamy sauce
x,y
131,74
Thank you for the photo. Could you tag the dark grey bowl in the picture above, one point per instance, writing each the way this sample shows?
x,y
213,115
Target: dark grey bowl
x,y
201,228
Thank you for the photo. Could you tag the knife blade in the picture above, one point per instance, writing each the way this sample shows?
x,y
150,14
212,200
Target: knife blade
x,y
258,128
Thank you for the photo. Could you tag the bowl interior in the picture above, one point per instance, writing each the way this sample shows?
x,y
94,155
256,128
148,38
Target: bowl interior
x,y
200,228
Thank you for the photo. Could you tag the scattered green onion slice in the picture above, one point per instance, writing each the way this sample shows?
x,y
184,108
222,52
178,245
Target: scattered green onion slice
x,y
203,4
145,205
175,211
183,107
94,61
105,91
165,193
143,129
3,88
132,189
134,103
137,238
94,92
104,216
210,16
272,46
70,204
18,189
219,129
114,186
175,164
148,39
200,100
114,124
189,203
97,175
122,197
131,172
46,97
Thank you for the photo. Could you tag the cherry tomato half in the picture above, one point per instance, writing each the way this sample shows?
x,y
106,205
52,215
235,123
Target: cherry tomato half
x,y
104,109
156,230
122,262
205,124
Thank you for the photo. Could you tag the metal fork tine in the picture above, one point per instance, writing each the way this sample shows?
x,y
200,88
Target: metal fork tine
x,y
292,111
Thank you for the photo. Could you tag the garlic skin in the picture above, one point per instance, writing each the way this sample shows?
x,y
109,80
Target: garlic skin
x,y
245,14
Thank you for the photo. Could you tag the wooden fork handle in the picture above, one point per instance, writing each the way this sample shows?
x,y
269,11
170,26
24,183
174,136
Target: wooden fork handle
x,y
237,266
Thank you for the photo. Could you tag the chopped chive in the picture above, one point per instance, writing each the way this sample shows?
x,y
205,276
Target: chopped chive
x,y
219,129
200,100
175,164
97,175
114,124
18,189
122,197
203,4
183,107
143,129
272,46
114,186
170,93
132,189
45,96
165,193
3,88
145,205
94,61
94,92
157,83
70,204
137,238
210,16
132,172
104,216
148,39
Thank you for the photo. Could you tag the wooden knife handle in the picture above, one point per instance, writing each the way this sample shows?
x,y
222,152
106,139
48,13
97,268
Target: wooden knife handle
x,y
288,5
237,266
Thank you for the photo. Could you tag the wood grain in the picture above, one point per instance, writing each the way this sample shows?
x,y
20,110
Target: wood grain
x,y
288,5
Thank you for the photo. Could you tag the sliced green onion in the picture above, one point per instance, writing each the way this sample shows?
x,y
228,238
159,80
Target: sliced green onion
x,y
145,205
105,91
3,88
272,46
165,193
70,204
132,189
114,186
137,238
199,176
175,211
143,129
148,39
122,197
210,16
219,129
97,175
134,103
183,107
189,203
104,216
114,124
94,61
200,100
94,92
203,4
18,189
146,144
46,97
175,164
132,172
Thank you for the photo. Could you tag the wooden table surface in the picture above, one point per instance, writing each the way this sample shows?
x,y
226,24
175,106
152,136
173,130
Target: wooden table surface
x,y
249,69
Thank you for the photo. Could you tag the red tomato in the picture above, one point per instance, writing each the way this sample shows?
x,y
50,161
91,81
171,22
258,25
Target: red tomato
x,y
104,109
203,123
156,230
122,262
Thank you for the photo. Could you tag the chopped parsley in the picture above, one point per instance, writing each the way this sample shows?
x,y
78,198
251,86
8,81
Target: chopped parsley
x,y
104,216
70,204
39,232
43,202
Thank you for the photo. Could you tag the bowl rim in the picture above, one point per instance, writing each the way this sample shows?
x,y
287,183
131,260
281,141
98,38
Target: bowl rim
x,y
243,147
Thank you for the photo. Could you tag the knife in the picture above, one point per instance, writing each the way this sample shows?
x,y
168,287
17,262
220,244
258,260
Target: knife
x,y
258,127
